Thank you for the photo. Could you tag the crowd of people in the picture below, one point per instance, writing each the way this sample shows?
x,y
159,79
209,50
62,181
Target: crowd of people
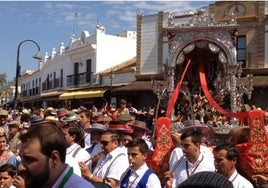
x,y
107,148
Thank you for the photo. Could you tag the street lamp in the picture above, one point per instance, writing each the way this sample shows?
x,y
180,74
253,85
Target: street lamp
x,y
18,66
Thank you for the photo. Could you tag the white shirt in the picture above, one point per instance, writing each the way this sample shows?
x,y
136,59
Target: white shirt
x,y
81,156
87,140
202,164
239,181
73,163
135,177
73,182
116,167
148,142
177,153
97,149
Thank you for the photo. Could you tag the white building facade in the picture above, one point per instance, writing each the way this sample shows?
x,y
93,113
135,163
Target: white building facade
x,y
77,66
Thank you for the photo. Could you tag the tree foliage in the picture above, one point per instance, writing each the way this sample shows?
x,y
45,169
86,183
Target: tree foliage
x,y
3,81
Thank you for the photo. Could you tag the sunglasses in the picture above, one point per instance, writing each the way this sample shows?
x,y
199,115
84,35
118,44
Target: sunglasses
x,y
104,142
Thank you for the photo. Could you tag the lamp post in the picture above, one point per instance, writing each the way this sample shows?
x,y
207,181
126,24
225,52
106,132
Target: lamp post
x,y
18,67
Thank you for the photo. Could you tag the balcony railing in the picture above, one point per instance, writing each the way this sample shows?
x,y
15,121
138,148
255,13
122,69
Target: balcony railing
x,y
82,78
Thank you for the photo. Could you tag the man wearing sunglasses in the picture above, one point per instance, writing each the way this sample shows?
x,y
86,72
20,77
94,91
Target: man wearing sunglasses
x,y
139,175
112,164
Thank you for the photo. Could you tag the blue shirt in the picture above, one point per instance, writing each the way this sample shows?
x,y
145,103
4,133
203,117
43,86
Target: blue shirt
x,y
73,182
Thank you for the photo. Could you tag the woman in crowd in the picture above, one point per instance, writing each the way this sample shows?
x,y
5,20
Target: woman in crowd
x,y
6,156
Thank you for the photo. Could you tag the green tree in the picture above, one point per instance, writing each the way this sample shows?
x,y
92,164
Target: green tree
x,y
3,81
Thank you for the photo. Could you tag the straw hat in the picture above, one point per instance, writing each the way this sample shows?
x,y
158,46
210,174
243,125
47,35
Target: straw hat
x,y
3,112
14,123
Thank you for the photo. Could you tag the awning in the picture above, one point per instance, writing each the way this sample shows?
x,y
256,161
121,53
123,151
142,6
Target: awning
x,y
82,94
51,94
138,86
30,99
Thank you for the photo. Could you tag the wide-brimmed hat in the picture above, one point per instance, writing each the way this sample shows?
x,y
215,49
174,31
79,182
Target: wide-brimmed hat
x,y
120,127
124,118
70,116
76,111
50,118
50,112
139,124
96,127
194,125
101,118
3,112
14,123
36,119
25,111
61,112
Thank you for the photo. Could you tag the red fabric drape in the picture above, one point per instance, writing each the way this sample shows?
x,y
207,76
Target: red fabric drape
x,y
240,115
173,99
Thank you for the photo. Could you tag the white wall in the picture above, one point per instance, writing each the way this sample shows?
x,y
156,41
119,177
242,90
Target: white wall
x,y
149,44
113,50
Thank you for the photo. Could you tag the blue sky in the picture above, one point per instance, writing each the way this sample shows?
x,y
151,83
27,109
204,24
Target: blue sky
x,y
51,22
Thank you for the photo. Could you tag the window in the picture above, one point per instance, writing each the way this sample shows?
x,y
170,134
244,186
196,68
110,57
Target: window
x,y
76,65
61,77
241,49
89,72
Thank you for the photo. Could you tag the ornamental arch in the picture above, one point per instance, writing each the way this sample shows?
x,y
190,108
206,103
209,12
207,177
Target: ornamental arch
x,y
215,47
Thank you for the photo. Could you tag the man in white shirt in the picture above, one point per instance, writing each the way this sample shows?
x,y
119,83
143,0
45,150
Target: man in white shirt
x,y
42,151
112,164
226,157
177,153
192,162
85,122
95,149
74,136
139,174
139,131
